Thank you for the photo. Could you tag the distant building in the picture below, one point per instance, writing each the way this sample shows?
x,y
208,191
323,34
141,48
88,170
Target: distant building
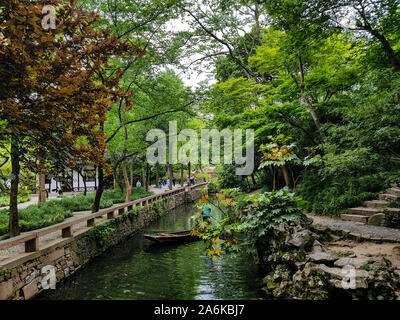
x,y
72,181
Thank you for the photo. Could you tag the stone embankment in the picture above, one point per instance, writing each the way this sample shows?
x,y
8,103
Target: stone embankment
x,y
43,265
300,264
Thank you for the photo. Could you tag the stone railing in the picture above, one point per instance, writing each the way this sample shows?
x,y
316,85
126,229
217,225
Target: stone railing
x,y
31,239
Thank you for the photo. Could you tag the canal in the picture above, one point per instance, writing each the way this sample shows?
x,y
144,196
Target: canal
x,y
141,269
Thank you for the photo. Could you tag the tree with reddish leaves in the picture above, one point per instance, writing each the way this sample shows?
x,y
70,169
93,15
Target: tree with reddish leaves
x,y
54,95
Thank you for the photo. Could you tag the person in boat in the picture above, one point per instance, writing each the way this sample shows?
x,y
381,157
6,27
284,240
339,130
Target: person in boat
x,y
206,211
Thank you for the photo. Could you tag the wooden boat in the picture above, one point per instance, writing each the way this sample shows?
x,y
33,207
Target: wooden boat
x,y
180,236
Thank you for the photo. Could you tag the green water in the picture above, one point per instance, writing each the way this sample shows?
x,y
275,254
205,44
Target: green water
x,y
141,269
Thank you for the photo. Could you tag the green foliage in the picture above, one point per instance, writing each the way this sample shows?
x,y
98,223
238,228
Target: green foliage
x,y
160,206
83,203
228,179
277,152
202,176
333,195
110,197
5,274
245,219
134,212
267,210
35,217
214,185
394,204
101,233
5,200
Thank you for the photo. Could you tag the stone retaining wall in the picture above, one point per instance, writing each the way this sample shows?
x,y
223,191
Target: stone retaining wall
x,y
27,274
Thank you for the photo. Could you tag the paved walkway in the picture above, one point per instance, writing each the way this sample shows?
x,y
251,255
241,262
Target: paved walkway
x,y
163,189
357,229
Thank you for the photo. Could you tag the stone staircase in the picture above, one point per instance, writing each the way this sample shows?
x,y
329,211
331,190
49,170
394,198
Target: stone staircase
x,y
375,211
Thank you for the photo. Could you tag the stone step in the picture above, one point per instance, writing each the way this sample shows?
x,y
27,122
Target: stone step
x,y
376,203
364,211
388,197
355,218
392,210
395,191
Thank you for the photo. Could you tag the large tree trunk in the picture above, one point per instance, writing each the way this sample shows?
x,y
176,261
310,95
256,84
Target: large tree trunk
x,y
13,226
182,182
157,174
128,194
80,173
148,176
42,188
393,58
274,179
128,181
246,182
84,185
253,180
286,175
170,176
100,189
189,173
305,101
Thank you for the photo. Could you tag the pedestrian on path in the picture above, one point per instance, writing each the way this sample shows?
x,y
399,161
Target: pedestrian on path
x,y
138,184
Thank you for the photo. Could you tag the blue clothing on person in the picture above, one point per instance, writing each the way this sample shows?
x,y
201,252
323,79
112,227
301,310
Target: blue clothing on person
x,y
206,209
138,184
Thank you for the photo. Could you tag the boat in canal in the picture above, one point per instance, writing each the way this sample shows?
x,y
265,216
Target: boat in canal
x,y
180,236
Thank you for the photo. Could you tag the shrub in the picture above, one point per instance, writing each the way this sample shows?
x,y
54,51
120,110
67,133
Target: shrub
x,y
101,233
244,218
333,196
83,203
116,196
36,216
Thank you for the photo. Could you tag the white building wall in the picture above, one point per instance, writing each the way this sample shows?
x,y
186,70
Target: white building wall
x,y
78,185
